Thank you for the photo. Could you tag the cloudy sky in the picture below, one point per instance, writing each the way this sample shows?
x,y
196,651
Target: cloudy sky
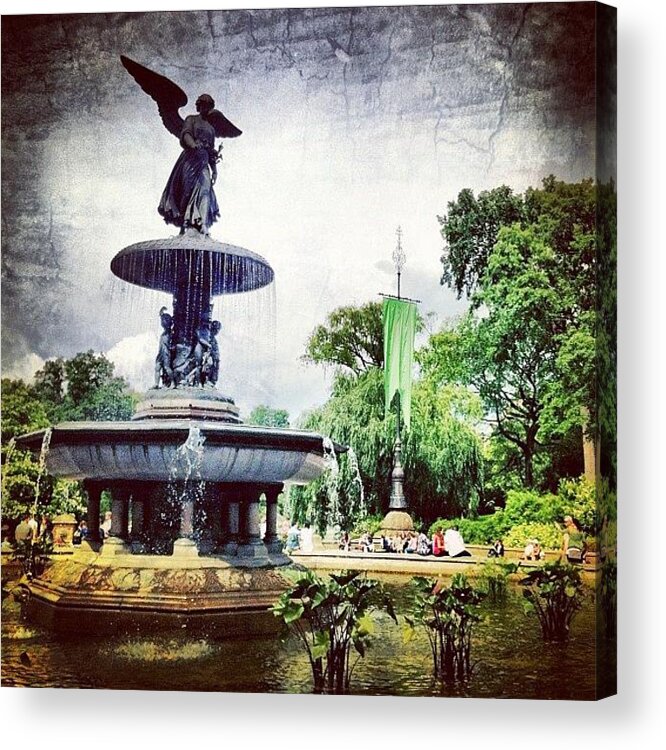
x,y
355,121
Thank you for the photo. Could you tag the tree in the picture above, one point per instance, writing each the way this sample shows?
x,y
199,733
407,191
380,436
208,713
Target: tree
x,y
528,263
352,339
470,229
22,410
442,453
83,388
268,417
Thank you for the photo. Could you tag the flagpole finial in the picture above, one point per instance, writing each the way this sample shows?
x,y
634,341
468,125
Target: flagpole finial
x,y
399,257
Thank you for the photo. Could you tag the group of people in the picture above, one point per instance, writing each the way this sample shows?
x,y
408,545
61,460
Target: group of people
x,y
29,529
447,543
300,539
82,531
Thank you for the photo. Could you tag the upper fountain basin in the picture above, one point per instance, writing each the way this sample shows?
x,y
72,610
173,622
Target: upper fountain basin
x,y
147,451
167,264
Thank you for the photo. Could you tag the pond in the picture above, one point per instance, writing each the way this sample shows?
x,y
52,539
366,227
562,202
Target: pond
x,y
511,660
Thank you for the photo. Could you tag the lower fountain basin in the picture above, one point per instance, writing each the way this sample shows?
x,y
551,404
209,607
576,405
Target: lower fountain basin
x,y
145,450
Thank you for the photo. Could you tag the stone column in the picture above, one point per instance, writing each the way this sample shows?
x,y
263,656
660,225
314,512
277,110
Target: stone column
x,y
185,546
115,544
94,492
273,544
231,526
137,524
120,512
251,544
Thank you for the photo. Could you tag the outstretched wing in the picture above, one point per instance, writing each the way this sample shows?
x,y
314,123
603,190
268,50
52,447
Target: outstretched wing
x,y
169,97
223,127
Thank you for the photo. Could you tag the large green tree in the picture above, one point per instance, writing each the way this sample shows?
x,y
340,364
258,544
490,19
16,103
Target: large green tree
x,y
352,339
528,265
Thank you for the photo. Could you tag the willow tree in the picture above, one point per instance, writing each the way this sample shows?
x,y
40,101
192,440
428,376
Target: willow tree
x,y
442,453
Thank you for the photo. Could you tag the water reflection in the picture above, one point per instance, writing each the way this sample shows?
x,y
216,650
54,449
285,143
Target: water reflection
x,y
510,659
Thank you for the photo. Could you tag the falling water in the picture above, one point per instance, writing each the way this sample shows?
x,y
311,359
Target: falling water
x,y
359,510
330,480
46,442
185,481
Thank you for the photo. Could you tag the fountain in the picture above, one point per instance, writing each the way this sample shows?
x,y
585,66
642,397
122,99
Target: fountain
x,y
186,476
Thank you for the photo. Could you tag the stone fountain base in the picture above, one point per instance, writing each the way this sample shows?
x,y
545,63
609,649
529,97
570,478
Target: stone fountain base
x,y
126,593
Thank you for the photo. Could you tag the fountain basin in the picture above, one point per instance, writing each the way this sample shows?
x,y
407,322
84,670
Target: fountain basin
x,y
145,451
88,593
165,264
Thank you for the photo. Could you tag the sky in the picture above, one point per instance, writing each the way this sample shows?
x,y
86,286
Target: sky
x,y
354,120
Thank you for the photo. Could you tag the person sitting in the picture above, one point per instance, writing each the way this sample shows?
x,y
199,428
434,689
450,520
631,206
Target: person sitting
x,y
293,538
573,541
438,545
344,542
423,544
454,544
410,547
385,543
533,550
365,542
497,550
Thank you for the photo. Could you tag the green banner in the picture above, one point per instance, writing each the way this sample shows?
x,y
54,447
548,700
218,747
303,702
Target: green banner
x,y
399,330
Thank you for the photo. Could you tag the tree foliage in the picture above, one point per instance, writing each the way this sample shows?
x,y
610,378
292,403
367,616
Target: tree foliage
x,y
529,345
442,452
352,339
268,417
81,388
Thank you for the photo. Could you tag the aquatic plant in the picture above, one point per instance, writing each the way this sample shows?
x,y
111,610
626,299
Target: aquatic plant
x,y
330,617
555,592
448,614
494,576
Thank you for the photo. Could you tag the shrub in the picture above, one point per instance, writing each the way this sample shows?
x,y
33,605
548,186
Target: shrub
x,y
549,536
481,530
371,524
555,592
577,498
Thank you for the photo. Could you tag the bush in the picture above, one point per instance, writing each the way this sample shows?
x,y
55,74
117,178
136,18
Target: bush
x,y
549,536
371,524
578,498
524,506
481,530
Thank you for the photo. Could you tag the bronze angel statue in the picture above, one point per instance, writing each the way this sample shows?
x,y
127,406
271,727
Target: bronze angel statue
x,y
188,200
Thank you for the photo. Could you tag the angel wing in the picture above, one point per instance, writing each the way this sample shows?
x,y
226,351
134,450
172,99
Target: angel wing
x,y
169,97
223,127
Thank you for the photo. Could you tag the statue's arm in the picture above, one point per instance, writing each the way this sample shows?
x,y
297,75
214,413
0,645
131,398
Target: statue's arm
x,y
187,139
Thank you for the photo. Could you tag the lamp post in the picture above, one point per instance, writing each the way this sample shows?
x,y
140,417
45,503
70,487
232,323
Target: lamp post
x,y
397,518
398,500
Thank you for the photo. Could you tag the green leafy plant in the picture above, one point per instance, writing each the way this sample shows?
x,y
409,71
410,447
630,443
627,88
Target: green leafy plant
x,y
330,617
448,614
494,576
555,592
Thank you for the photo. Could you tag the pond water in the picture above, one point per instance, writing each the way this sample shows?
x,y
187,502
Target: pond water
x,y
511,660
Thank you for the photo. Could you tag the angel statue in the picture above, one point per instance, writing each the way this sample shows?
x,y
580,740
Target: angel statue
x,y
188,200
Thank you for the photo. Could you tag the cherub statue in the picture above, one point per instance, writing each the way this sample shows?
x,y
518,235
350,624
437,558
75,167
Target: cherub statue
x,y
163,368
188,200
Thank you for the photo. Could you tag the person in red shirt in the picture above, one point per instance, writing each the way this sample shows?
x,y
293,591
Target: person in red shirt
x,y
438,544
